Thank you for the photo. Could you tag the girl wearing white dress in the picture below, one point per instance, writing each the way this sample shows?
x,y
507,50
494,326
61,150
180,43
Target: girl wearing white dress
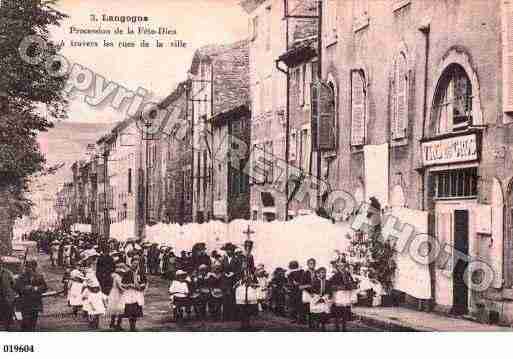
x,y
95,303
116,307
75,290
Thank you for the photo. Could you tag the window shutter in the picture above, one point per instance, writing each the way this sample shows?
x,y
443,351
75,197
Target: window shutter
x,y
402,98
268,148
393,101
292,145
327,125
507,55
314,112
357,109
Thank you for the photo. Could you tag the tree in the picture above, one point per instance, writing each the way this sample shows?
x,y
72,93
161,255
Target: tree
x,y
28,96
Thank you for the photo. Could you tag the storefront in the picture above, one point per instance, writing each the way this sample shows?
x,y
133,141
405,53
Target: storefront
x,y
451,165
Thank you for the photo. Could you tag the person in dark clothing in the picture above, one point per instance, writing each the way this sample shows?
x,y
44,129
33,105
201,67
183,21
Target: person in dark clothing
x,y
278,296
7,296
60,255
343,284
231,268
218,287
104,269
306,288
201,291
30,285
153,259
133,284
321,293
294,280
200,256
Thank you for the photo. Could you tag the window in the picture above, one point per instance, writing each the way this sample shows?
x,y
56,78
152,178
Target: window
x,y
256,102
314,70
187,183
269,160
459,183
218,183
205,174
358,108
129,180
254,28
303,85
297,86
361,14
268,94
263,105
198,177
331,21
507,58
399,99
304,160
268,28
292,145
452,109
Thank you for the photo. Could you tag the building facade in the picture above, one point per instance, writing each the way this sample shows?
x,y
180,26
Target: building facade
x,y
219,81
424,124
268,94
231,137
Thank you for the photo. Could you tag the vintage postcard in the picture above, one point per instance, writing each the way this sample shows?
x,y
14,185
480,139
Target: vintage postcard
x,y
255,165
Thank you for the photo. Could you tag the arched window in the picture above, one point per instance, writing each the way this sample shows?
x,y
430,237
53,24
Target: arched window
x,y
399,108
452,107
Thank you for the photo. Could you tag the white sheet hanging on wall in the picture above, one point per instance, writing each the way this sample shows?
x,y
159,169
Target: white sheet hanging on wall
x,y
376,172
411,277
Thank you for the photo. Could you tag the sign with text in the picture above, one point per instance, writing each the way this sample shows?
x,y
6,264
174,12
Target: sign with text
x,y
450,150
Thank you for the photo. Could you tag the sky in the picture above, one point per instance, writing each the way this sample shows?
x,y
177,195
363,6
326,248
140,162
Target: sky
x,y
197,22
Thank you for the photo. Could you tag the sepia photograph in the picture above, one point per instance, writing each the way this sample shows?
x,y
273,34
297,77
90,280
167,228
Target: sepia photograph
x,y
234,166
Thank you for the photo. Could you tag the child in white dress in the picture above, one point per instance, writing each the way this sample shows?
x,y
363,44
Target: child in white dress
x,y
116,306
75,290
95,302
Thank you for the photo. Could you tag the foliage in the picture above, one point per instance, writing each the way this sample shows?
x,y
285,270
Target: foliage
x,y
26,92
378,255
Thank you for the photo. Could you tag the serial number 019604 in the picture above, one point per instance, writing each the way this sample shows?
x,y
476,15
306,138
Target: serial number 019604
x,y
18,348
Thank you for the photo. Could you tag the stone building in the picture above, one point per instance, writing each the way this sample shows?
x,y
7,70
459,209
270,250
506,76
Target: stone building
x,y
177,156
423,107
218,80
268,102
231,137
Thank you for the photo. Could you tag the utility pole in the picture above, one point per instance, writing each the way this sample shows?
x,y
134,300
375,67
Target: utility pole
x,y
106,217
319,78
147,189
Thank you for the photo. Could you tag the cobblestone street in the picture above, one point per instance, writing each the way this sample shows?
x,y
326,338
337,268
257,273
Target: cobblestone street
x,y
57,316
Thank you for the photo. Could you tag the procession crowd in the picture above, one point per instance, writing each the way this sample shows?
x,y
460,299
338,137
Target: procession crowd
x,y
109,278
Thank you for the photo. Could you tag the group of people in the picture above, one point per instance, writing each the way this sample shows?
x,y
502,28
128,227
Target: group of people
x,y
310,296
22,293
109,278
113,281
105,283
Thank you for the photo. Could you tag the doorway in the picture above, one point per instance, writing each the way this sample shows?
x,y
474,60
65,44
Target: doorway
x,y
461,244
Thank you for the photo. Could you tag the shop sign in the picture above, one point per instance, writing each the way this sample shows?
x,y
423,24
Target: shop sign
x,y
450,150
